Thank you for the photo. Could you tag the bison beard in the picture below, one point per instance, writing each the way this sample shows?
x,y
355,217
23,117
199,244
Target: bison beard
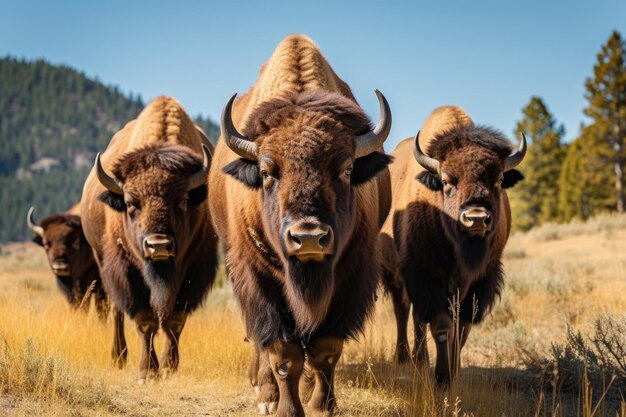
x,y
160,278
309,287
473,250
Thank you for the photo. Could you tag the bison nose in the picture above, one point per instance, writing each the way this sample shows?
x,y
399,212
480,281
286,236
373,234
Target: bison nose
x,y
61,268
476,221
158,247
307,240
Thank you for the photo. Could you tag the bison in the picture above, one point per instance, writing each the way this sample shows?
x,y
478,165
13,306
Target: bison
x,y
444,237
70,258
304,189
145,214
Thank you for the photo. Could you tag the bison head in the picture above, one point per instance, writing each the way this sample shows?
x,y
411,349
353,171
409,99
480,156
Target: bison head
x,y
157,189
61,235
306,154
470,167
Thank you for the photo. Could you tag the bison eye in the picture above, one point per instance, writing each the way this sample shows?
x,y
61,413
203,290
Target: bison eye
x,y
444,182
183,203
264,174
348,172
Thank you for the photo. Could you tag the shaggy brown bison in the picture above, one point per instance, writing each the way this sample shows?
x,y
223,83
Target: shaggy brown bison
x,y
303,192
444,237
145,214
70,258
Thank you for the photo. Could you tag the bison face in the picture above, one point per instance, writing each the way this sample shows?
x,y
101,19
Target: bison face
x,y
303,155
157,189
62,238
470,173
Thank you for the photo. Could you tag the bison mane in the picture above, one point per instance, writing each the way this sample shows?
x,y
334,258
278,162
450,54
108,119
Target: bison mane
x,y
461,136
342,110
176,159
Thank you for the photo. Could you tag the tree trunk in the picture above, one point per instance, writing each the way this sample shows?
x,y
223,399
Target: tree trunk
x,y
619,193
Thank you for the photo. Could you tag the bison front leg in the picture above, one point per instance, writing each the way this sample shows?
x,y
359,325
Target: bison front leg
x,y
102,304
323,355
401,307
286,361
172,327
264,383
120,349
449,339
147,326
420,348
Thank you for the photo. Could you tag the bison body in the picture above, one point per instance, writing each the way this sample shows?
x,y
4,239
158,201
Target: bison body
x,y
304,190
70,258
145,214
444,237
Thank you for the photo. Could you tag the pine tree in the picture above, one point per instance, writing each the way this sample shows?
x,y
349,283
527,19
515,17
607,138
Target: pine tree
x,y
606,96
535,200
585,185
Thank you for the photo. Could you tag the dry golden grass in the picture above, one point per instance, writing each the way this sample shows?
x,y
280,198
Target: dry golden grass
x,y
55,362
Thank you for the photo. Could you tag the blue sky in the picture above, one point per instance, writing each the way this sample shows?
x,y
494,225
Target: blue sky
x,y
489,57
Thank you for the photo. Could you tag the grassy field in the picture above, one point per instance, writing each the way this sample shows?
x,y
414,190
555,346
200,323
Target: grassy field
x,y
54,361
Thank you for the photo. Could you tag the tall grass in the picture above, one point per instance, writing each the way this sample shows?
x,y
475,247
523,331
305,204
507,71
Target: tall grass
x,y
55,361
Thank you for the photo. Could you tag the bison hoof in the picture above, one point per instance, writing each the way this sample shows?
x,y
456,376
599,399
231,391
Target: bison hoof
x,y
402,355
267,408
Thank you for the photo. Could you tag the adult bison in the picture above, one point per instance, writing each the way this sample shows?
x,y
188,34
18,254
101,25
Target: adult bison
x,y
70,258
145,214
303,192
444,237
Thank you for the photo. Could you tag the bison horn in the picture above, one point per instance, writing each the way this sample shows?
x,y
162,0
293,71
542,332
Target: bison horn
x,y
205,140
374,139
431,164
38,230
105,180
237,142
517,156
200,177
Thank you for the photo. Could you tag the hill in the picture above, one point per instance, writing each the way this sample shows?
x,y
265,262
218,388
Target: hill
x,y
53,120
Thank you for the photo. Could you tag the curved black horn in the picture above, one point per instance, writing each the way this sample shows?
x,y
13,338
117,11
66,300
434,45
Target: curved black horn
x,y
36,229
105,180
200,177
517,156
431,164
369,142
237,142
205,140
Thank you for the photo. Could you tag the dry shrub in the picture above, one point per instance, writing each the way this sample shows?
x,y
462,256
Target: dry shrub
x,y
592,367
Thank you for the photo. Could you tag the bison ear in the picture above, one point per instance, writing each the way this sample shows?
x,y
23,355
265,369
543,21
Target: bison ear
x,y
38,240
511,178
245,171
367,167
115,201
430,180
198,195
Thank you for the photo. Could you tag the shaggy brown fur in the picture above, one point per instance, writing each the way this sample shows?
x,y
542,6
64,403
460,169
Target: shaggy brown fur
x,y
428,260
303,119
152,158
64,242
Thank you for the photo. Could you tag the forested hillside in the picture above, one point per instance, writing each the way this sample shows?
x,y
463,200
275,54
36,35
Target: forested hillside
x,y
53,120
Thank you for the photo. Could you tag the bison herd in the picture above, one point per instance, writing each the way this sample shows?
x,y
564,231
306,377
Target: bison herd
x,y
311,215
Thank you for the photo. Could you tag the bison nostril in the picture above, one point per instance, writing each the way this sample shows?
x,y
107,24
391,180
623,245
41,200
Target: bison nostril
x,y
487,220
324,240
295,239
